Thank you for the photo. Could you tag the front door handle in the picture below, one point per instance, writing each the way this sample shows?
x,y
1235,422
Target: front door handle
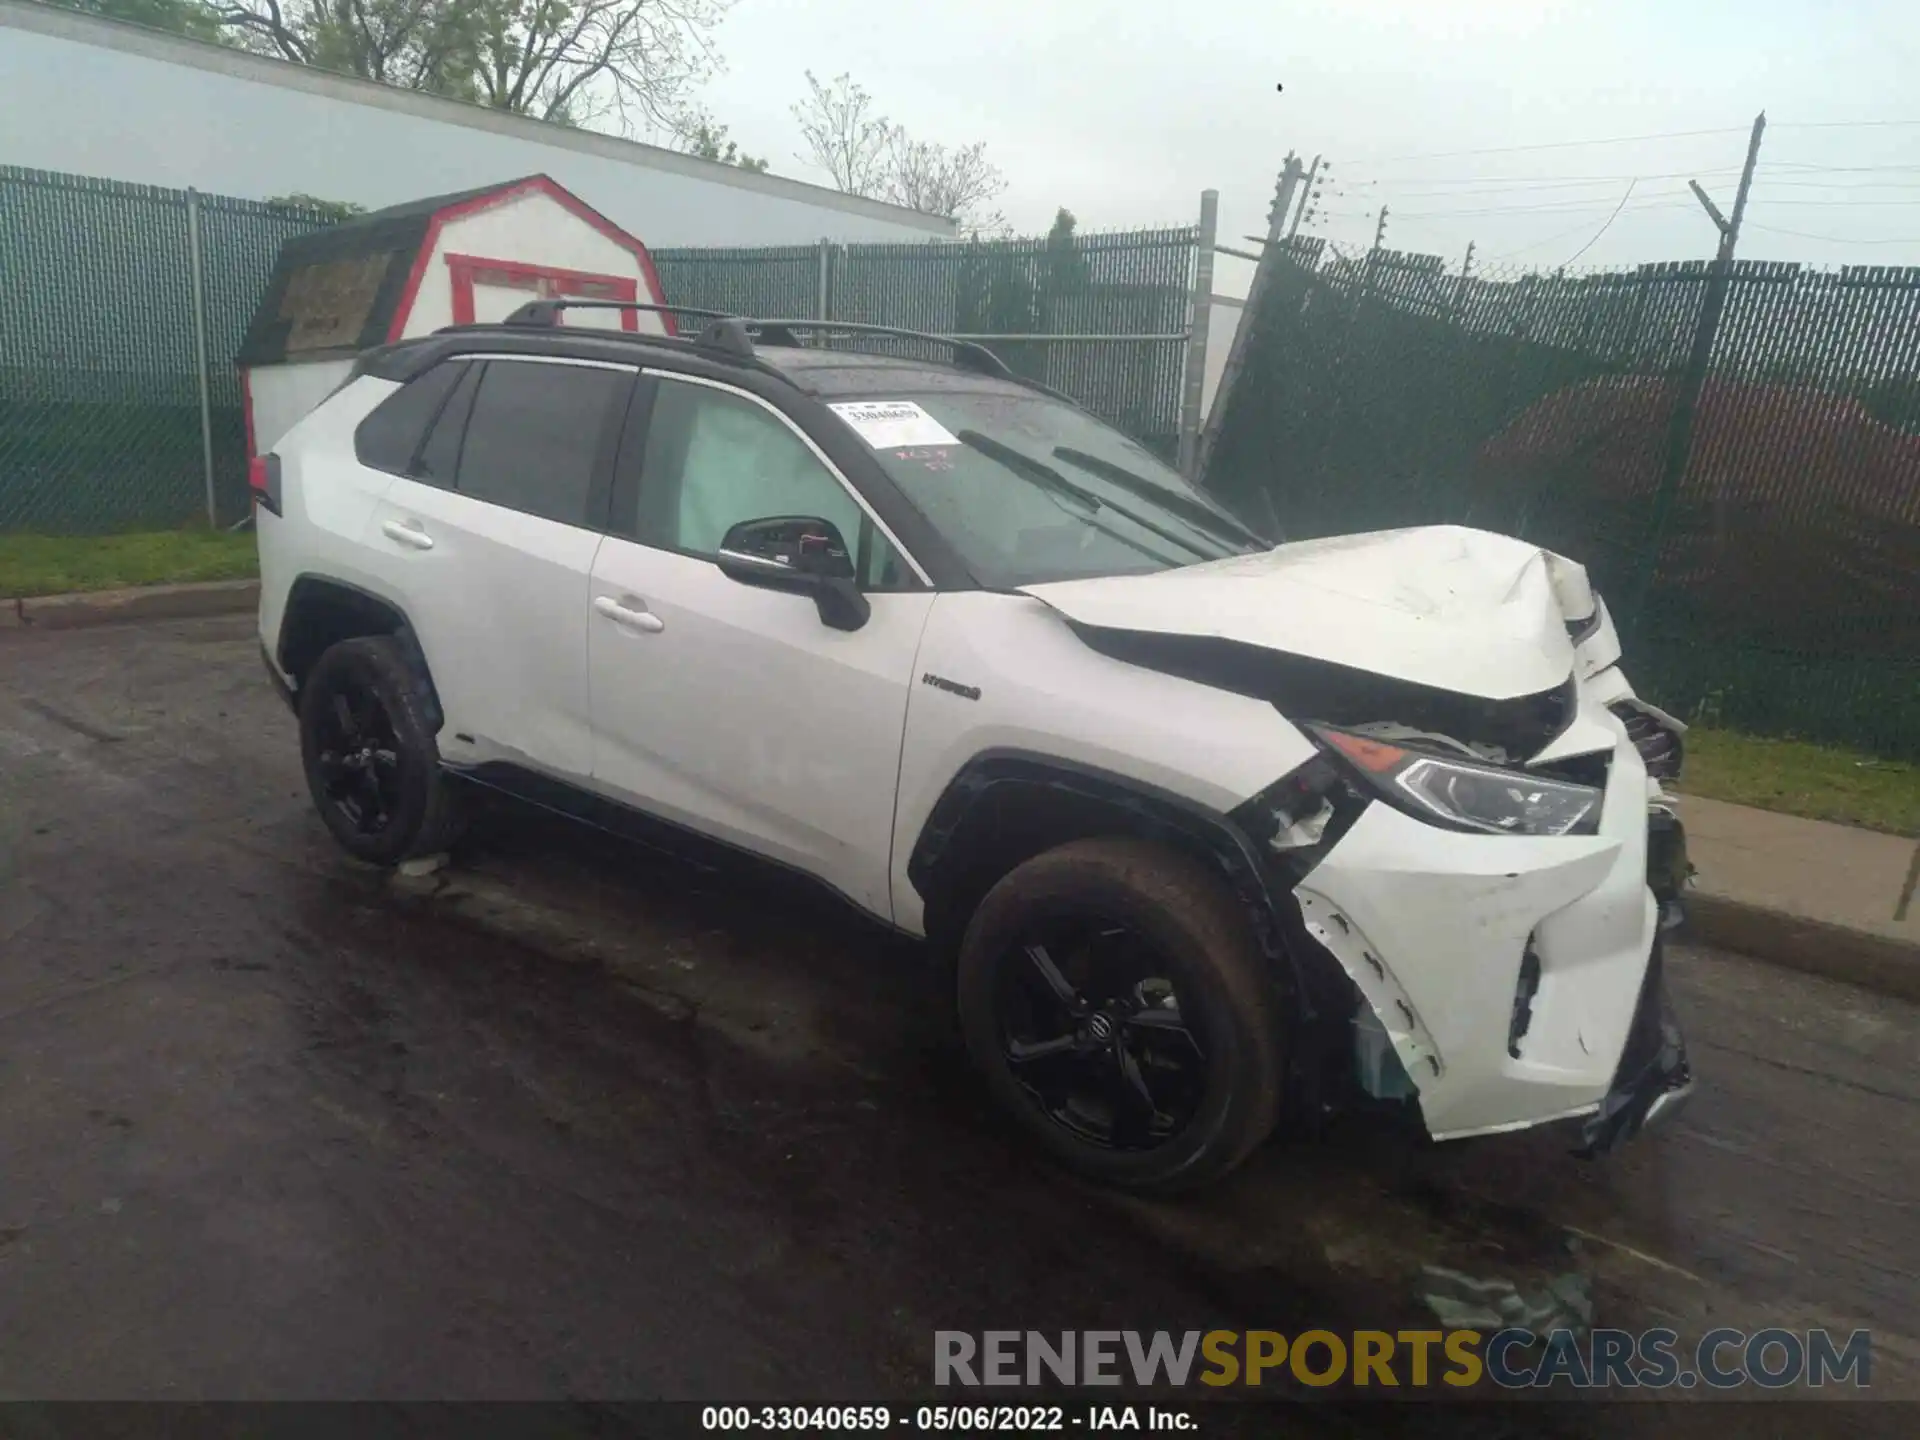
x,y
407,533
641,619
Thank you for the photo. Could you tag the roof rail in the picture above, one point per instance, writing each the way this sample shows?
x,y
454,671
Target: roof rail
x,y
966,354
734,335
547,312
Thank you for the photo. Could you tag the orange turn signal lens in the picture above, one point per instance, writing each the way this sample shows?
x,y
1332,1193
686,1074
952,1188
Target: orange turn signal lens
x,y
1374,756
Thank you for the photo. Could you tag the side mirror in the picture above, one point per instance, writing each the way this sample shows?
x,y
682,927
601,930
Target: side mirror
x,y
801,553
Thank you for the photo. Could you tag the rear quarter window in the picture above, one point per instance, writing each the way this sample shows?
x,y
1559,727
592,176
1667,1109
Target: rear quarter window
x,y
389,438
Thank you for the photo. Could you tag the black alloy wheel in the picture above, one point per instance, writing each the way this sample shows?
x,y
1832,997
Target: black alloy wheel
x,y
1114,995
373,767
1092,1027
359,760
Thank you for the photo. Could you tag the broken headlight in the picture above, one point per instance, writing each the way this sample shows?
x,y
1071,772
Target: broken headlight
x,y
1465,794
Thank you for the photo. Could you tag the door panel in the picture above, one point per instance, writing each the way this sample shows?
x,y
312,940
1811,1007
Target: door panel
x,y
736,712
497,602
730,708
490,538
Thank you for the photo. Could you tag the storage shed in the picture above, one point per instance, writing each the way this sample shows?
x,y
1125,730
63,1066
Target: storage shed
x,y
411,269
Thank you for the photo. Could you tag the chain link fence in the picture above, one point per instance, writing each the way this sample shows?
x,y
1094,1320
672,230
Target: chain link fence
x,y
1101,317
115,415
100,365
1740,472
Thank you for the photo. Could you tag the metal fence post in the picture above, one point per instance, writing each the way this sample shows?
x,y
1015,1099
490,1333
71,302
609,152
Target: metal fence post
x,y
200,347
823,299
1194,378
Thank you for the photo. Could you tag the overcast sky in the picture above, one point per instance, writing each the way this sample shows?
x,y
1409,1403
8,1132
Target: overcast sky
x,y
1124,110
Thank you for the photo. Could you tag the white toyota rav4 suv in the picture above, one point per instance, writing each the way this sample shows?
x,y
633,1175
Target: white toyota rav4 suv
x,y
1211,834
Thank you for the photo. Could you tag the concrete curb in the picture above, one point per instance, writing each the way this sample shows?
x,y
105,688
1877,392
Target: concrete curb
x,y
1882,963
147,602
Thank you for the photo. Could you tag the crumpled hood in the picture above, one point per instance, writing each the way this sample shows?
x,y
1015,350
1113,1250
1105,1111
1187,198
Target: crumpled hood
x,y
1439,605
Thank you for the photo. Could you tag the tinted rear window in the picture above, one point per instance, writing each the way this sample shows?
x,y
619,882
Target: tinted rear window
x,y
389,438
535,435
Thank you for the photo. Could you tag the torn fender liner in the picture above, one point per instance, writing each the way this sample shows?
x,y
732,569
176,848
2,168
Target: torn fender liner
x,y
1654,1078
1441,606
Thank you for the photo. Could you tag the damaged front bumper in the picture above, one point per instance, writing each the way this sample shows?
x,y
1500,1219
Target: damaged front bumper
x,y
1510,981
1654,1080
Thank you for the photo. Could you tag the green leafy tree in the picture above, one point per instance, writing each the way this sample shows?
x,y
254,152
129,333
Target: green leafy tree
x,y
334,210
707,139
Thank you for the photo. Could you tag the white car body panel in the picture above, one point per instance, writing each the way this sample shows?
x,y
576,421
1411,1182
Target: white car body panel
x,y
500,603
1444,606
327,497
1045,693
743,716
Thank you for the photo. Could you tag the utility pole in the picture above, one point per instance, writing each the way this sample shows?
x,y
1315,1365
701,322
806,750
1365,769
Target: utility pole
x,y
1271,258
1380,230
1460,290
1306,194
1693,379
1291,174
1200,313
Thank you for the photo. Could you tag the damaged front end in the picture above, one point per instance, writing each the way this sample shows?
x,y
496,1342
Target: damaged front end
x,y
1477,879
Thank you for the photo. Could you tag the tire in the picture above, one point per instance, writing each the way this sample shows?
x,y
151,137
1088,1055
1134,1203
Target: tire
x,y
1166,912
391,802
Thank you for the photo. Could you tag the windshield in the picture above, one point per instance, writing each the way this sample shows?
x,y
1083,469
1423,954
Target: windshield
x,y
1028,489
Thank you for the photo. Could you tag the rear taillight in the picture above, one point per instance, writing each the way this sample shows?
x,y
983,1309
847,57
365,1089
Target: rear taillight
x,y
263,479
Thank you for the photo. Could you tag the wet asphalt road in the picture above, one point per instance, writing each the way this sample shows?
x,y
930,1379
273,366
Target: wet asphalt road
x,y
577,1120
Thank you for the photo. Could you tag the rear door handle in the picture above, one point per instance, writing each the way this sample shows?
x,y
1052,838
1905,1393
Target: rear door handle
x,y
407,534
641,619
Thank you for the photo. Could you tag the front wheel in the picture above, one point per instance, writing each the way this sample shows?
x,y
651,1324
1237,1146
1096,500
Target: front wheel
x,y
372,766
1114,996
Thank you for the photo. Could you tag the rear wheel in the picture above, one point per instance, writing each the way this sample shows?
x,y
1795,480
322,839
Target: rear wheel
x,y
1112,992
372,766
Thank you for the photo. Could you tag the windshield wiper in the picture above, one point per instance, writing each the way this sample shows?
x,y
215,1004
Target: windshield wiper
x,y
1187,507
1045,474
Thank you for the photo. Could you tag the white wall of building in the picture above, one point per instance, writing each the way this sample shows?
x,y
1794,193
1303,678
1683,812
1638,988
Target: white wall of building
x,y
92,97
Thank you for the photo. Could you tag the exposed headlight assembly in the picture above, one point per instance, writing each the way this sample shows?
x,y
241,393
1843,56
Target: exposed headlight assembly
x,y
1465,794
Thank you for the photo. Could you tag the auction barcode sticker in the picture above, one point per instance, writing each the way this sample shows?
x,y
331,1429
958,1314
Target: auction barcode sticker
x,y
892,424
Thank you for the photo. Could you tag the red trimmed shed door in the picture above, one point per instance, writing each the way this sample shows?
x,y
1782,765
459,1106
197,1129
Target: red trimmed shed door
x,y
485,291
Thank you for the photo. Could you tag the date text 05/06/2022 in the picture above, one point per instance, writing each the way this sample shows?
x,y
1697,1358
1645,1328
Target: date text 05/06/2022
x,y
946,1419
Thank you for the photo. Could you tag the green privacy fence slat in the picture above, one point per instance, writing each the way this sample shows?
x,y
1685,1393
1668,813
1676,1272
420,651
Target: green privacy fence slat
x,y
1133,286
1782,588
99,390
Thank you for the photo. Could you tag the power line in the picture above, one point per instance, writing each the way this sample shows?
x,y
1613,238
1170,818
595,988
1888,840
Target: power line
x,y
1836,239
1505,186
1553,145
1664,200
1561,235
1604,228
1837,124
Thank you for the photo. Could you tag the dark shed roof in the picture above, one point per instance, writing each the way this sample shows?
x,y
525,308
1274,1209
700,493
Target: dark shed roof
x,y
335,291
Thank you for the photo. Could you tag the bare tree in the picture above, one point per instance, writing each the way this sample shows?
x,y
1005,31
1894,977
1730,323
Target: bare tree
x,y
843,136
578,61
867,154
958,183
